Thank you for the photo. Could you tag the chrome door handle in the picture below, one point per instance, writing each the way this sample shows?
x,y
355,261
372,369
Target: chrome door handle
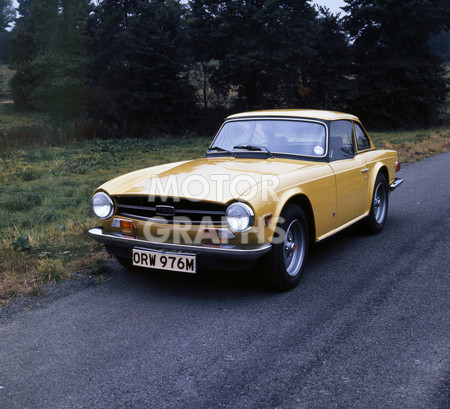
x,y
365,170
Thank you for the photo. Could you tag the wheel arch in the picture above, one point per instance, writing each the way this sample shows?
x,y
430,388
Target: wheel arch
x,y
381,168
373,225
303,201
385,172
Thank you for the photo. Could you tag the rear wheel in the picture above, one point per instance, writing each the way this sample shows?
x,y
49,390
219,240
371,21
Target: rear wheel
x,y
379,209
284,264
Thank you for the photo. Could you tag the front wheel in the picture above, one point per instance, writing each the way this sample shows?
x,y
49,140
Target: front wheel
x,y
284,264
379,208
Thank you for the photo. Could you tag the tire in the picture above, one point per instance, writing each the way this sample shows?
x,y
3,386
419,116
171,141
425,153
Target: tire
x,y
283,266
125,262
379,208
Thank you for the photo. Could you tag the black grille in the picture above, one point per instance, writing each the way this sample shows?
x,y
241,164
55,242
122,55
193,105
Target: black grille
x,y
169,210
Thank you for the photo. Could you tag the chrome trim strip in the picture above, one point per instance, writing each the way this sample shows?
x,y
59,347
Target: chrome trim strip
x,y
248,251
395,184
218,212
127,206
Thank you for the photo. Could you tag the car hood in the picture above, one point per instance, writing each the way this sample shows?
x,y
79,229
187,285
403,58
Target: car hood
x,y
213,179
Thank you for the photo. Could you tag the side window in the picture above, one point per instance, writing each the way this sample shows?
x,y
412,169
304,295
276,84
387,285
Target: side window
x,y
341,140
362,140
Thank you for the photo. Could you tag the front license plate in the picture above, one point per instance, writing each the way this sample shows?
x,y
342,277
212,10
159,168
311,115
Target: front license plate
x,y
164,261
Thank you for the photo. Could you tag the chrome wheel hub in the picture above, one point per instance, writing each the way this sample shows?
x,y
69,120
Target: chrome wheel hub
x,y
380,203
294,248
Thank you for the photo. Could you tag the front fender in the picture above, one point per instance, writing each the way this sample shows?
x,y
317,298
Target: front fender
x,y
319,192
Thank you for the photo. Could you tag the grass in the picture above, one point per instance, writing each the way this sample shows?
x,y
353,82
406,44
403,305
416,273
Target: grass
x,y
46,186
45,205
11,119
414,145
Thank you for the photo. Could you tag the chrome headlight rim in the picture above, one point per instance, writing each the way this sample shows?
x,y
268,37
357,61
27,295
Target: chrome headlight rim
x,y
109,201
248,213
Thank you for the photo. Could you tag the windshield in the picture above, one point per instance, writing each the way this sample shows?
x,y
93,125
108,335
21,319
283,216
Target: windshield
x,y
277,136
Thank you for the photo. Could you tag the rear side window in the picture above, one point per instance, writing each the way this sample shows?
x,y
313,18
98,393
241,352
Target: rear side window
x,y
341,140
362,140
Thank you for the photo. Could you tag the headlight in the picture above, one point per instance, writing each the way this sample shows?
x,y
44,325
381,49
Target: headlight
x,y
102,205
240,217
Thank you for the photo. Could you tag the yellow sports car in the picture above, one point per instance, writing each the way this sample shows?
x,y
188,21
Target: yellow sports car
x,y
272,182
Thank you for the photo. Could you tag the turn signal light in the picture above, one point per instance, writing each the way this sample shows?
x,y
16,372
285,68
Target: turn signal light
x,y
397,166
216,233
126,225
267,219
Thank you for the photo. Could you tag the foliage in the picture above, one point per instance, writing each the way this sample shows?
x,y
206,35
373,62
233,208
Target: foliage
x,y
262,48
328,70
440,45
51,270
5,75
5,44
49,56
140,68
6,14
397,82
136,67
22,243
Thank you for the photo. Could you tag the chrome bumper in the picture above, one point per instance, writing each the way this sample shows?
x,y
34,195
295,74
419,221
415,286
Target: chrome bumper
x,y
396,183
225,251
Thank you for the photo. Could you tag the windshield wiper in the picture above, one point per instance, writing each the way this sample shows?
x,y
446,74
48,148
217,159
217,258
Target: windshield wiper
x,y
219,149
248,147
253,148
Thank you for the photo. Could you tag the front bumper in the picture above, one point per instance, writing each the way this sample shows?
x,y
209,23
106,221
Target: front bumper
x,y
116,243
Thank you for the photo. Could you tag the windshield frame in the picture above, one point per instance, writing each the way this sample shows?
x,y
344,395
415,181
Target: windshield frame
x,y
258,154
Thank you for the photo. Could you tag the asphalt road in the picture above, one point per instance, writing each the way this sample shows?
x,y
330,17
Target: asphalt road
x,y
368,327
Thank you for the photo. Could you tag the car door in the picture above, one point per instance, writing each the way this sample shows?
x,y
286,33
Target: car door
x,y
350,173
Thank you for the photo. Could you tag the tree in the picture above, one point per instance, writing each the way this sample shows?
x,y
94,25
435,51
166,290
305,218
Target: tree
x,y
23,52
397,80
139,59
262,47
66,77
49,56
7,14
203,37
440,45
328,70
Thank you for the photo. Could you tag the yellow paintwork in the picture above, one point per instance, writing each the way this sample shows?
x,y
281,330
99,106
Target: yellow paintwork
x,y
340,192
298,113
